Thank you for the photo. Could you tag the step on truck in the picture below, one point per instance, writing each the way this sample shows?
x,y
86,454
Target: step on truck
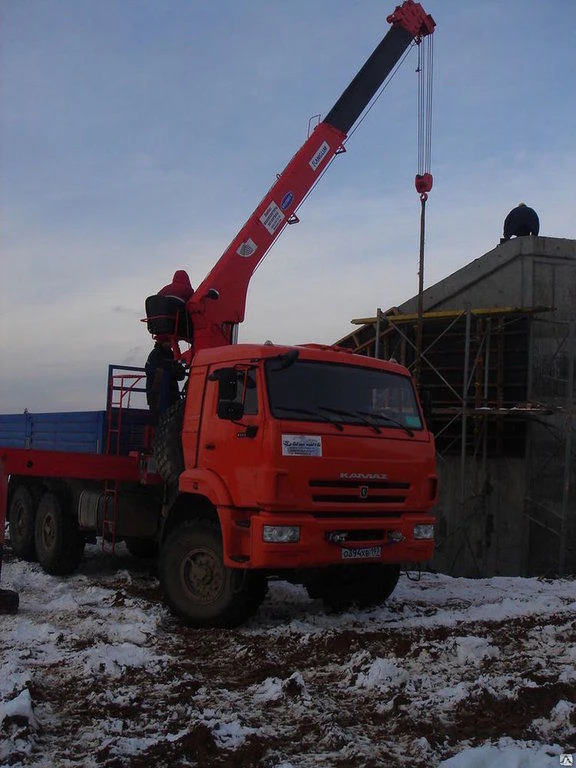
x,y
305,463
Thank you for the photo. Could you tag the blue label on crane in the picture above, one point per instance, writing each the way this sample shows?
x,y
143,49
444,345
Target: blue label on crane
x,y
287,200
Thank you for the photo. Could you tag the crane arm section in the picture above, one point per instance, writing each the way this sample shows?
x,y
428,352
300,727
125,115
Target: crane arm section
x,y
214,321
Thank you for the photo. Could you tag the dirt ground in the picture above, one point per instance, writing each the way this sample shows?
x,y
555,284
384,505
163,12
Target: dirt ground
x,y
446,665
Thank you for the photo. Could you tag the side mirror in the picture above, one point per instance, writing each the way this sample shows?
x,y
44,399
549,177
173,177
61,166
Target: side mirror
x,y
230,410
227,379
228,407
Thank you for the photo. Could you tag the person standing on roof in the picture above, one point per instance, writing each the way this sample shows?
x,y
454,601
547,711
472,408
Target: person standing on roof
x,y
521,221
179,288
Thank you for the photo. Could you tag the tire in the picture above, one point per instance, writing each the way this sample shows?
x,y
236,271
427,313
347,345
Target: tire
x,y
364,586
22,517
59,543
167,446
199,588
143,549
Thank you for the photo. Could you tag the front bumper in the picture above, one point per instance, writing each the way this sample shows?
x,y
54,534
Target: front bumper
x,y
326,541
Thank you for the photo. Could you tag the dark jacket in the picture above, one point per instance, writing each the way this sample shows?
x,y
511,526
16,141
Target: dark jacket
x,y
521,221
162,376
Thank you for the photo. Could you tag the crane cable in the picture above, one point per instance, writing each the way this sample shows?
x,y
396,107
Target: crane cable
x,y
424,179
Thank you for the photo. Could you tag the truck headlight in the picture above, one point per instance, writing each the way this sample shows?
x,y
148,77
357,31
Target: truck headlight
x,y
281,534
423,531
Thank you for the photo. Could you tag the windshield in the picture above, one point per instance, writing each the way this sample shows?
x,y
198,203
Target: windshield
x,y
315,391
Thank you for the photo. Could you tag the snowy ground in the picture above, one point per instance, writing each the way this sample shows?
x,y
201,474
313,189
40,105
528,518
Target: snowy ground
x,y
453,672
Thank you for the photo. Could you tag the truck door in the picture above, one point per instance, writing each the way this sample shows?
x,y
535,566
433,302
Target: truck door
x,y
231,433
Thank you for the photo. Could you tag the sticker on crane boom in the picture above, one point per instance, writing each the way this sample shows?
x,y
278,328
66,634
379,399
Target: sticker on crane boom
x,y
286,201
301,445
319,155
247,248
272,217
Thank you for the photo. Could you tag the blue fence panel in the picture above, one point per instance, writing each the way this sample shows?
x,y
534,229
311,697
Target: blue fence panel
x,y
82,431
79,431
14,430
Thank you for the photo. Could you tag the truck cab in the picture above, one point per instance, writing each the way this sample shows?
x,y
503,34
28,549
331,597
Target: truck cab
x,y
307,463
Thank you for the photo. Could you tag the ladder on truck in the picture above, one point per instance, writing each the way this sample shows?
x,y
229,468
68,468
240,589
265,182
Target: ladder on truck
x,y
125,384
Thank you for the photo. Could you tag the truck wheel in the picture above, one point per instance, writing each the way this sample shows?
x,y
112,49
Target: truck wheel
x,y
362,585
21,517
59,543
199,588
168,443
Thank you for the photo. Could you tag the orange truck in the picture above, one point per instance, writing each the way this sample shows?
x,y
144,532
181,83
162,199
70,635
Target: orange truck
x,y
304,463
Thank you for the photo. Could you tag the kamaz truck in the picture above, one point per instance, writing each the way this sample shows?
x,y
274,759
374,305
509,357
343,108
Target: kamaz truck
x,y
306,463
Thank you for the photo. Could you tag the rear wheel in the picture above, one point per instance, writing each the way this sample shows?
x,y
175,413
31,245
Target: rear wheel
x,y
22,517
199,588
59,543
364,586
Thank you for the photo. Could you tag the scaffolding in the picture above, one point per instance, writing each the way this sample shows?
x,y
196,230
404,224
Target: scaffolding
x,y
500,382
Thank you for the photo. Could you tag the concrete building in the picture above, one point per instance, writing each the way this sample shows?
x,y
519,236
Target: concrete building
x,y
493,346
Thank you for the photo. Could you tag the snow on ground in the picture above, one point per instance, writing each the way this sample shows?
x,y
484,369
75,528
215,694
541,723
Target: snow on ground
x,y
456,673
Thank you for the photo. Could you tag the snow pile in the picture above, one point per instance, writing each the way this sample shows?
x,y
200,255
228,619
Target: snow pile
x,y
506,754
18,710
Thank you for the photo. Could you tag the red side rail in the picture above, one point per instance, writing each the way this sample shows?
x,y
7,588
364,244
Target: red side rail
x,y
85,466
81,466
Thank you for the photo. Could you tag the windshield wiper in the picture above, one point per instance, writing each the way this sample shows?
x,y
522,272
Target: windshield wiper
x,y
390,419
353,415
309,412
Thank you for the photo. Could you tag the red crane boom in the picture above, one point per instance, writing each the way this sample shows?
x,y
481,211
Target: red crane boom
x,y
214,321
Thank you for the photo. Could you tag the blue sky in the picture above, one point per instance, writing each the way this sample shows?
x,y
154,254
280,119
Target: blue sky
x,y
137,136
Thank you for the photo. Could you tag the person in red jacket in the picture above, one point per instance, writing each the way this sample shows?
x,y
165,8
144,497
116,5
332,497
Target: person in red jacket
x,y
179,288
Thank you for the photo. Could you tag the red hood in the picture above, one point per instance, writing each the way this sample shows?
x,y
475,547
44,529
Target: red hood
x,y
181,277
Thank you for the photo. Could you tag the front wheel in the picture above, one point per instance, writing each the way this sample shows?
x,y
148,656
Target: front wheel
x,y
59,543
199,588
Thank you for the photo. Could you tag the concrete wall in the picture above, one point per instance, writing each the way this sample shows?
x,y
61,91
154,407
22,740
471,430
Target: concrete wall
x,y
486,533
506,517
523,272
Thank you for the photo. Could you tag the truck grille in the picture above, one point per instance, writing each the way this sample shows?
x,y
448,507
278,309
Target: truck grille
x,y
358,491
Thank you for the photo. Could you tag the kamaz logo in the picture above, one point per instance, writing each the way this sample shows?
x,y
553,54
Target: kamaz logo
x,y
362,476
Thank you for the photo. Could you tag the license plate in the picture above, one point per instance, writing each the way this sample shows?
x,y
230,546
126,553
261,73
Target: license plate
x,y
361,553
